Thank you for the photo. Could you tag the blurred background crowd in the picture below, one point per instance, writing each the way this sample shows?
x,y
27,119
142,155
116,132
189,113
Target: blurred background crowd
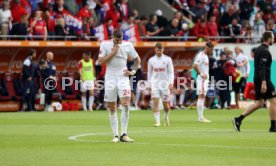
x,y
220,20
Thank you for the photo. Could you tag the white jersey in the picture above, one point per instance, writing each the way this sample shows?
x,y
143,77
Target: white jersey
x,y
202,60
241,58
118,63
160,69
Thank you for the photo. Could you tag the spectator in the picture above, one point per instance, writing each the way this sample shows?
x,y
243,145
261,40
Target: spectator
x,y
38,26
234,3
61,30
59,8
110,27
124,8
216,9
115,15
142,26
17,11
88,28
6,17
248,35
212,28
235,30
127,23
270,26
152,28
227,19
200,31
246,8
84,12
258,27
172,29
161,20
199,11
20,28
50,19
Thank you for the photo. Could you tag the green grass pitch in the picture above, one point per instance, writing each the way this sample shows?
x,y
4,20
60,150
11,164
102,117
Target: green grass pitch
x,y
42,139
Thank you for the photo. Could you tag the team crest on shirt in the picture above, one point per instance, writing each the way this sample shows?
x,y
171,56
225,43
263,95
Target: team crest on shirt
x,y
273,93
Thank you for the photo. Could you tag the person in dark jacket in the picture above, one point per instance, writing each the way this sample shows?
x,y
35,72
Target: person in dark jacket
x,y
264,88
49,79
20,28
27,82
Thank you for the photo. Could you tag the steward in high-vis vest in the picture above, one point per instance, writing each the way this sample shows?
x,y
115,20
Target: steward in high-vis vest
x,y
87,76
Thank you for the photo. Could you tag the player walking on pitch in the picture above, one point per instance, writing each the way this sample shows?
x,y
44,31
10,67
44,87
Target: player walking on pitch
x,y
264,89
201,65
161,77
87,75
115,53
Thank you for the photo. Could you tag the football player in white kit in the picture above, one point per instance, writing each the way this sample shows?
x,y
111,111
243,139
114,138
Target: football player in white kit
x,y
161,78
115,53
201,65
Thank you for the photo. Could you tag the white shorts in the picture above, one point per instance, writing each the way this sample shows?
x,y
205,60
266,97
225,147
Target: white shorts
x,y
87,85
116,84
161,94
201,86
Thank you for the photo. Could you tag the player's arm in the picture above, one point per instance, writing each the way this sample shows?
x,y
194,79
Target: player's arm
x,y
261,72
80,69
150,67
196,64
26,65
171,73
137,61
104,57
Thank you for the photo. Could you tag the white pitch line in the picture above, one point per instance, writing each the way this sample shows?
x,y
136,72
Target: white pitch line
x,y
77,138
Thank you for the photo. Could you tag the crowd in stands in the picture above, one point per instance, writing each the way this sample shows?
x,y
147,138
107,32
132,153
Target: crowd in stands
x,y
201,20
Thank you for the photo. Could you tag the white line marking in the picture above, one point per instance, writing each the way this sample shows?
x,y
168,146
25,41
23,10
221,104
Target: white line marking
x,y
77,138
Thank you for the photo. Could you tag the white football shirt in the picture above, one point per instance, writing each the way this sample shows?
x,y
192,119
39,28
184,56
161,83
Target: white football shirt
x,y
160,69
118,63
202,60
241,58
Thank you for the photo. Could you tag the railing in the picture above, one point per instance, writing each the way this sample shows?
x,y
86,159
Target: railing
x,y
143,38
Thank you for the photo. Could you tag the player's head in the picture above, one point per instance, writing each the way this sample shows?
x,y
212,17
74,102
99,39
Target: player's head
x,y
32,53
238,50
117,36
86,56
42,64
268,37
159,49
49,56
209,48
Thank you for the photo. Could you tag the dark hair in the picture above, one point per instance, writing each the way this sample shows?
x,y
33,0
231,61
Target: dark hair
x,y
209,44
117,33
159,45
185,70
267,35
42,62
31,52
152,16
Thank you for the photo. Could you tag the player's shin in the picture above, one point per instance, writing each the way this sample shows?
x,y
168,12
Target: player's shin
x,y
91,102
200,108
83,101
124,118
113,118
